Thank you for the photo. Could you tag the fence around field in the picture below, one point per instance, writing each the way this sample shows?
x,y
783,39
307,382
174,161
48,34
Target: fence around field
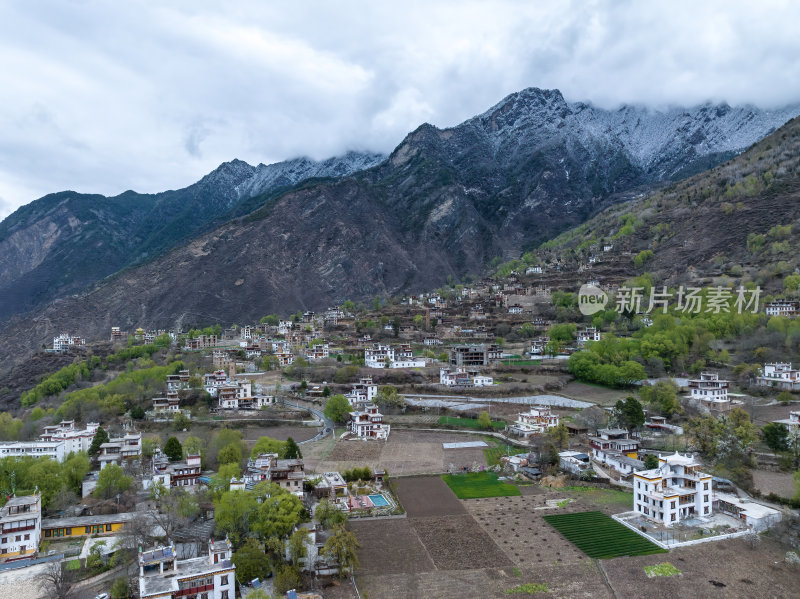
x,y
670,539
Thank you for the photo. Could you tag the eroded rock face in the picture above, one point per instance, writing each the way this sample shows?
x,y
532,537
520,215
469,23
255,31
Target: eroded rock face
x,y
63,242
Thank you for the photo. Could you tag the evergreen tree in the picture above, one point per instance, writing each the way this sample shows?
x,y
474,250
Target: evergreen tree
x,y
291,450
173,449
100,437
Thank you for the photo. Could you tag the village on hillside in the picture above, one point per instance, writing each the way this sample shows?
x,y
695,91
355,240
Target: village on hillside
x,y
488,429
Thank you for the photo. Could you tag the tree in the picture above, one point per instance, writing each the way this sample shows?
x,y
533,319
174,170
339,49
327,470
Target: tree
x,y
192,446
559,435
100,437
268,445
593,417
220,482
230,454
286,579
663,396
776,436
120,590
337,408
629,413
328,515
297,546
137,413
74,470
181,422
341,547
388,396
650,461
149,445
173,449
111,481
225,436
278,511
233,514
251,562
54,581
484,421
291,451
326,392
784,397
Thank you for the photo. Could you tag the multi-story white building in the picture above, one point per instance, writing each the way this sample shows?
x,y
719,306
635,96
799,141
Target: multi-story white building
x,y
538,345
65,342
36,449
782,308
588,334
362,393
121,449
792,422
779,375
386,356
163,576
167,405
711,391
615,447
287,473
368,424
233,392
177,474
176,382
20,527
463,377
74,439
318,352
537,420
675,491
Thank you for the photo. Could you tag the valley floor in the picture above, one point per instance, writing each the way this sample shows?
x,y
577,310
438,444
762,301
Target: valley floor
x,y
450,548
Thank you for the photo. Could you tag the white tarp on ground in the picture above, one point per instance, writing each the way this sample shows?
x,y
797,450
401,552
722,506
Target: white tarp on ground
x,y
446,401
464,445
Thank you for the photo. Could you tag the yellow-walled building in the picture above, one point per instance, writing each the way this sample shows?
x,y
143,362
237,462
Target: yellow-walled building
x,y
82,526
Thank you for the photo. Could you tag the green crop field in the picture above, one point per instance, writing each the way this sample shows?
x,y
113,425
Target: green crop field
x,y
474,485
468,422
493,454
601,537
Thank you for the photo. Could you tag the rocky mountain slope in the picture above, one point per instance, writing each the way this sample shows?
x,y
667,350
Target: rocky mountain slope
x,y
445,202
735,224
65,241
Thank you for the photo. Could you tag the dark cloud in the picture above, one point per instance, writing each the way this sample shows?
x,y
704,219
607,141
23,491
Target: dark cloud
x,y
102,97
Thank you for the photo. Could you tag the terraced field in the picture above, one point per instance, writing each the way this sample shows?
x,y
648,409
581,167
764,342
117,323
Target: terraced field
x,y
600,536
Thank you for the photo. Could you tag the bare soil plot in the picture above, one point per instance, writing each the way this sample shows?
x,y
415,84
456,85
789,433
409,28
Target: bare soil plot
x,y
721,569
459,543
428,496
517,526
405,452
590,393
780,483
441,584
390,547
578,582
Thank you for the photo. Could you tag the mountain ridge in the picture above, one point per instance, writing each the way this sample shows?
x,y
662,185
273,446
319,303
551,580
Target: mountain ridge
x,y
444,202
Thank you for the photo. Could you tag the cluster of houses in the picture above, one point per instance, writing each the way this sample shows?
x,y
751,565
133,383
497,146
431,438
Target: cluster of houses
x,y
538,420
66,342
58,441
392,356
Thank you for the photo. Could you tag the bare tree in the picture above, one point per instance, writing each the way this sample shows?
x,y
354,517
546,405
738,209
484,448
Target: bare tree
x,y
54,582
752,540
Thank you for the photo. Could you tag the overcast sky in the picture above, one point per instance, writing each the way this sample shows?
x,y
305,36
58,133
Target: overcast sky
x,y
106,96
